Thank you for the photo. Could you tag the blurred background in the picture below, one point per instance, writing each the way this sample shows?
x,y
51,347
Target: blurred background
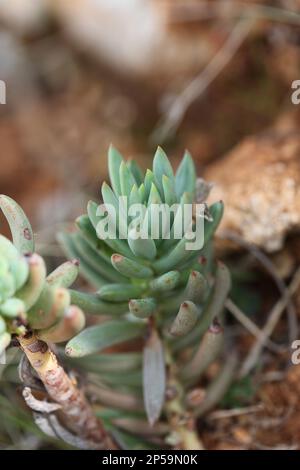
x,y
211,76
189,74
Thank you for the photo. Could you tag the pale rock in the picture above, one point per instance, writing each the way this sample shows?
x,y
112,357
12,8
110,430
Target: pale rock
x,y
259,182
24,16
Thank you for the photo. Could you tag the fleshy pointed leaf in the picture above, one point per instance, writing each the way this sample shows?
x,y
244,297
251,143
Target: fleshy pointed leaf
x,y
96,338
141,247
130,268
91,303
205,354
68,326
161,166
197,287
109,362
149,180
65,275
67,241
19,224
154,196
165,282
119,292
136,171
126,179
4,341
142,193
49,308
114,244
169,190
216,211
186,319
154,377
33,287
114,161
13,308
113,204
142,308
134,196
185,179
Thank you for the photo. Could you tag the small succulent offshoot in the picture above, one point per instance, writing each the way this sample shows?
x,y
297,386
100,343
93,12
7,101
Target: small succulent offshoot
x,y
35,311
164,299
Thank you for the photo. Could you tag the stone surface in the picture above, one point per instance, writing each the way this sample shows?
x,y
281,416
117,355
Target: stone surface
x,y
259,181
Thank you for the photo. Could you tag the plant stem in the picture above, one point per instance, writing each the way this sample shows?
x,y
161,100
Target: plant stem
x,y
183,434
76,411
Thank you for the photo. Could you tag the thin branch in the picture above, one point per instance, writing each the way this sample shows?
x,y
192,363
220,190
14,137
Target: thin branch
x,y
270,268
221,414
270,325
250,325
174,115
206,10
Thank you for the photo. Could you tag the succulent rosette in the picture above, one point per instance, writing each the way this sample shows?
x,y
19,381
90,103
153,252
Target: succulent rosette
x,y
153,292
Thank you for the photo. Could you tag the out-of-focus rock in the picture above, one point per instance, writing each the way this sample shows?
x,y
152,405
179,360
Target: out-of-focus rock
x,y
259,181
123,32
284,56
24,16
133,36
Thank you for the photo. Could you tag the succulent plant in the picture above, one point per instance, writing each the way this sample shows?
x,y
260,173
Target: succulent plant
x,y
36,311
28,297
161,299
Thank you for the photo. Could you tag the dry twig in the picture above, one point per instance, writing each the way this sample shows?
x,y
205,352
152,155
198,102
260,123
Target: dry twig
x,y
174,115
250,325
270,268
270,325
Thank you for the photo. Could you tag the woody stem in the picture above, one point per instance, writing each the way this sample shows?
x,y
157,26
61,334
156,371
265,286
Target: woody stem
x,y
76,411
182,425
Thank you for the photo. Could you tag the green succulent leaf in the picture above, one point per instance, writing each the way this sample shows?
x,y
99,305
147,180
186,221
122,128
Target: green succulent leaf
x,y
197,287
96,338
130,268
69,325
165,282
12,264
109,362
33,288
114,162
13,308
67,241
19,225
169,192
49,308
91,303
126,179
141,247
216,211
186,319
185,178
142,308
119,292
149,180
114,243
206,353
142,193
2,325
136,171
65,275
4,341
135,196
161,166
154,377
